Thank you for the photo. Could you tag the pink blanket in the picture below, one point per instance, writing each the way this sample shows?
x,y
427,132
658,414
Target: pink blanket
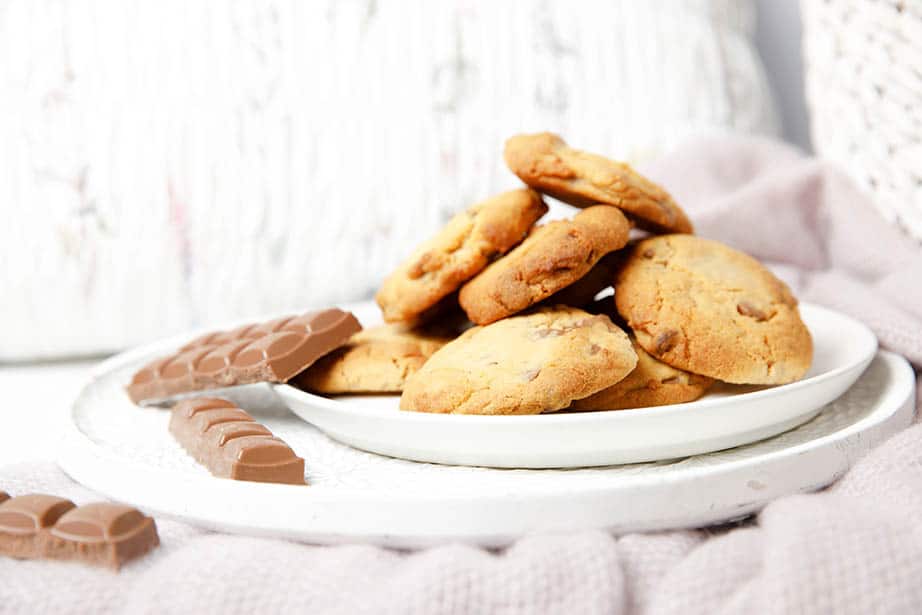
x,y
854,548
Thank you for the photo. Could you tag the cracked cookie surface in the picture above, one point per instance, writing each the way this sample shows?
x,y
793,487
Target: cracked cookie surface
x,y
376,360
652,383
527,364
545,162
551,258
706,308
460,250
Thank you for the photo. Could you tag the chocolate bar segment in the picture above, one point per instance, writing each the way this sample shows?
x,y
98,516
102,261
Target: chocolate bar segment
x,y
102,534
272,351
222,433
46,526
4,496
231,444
24,520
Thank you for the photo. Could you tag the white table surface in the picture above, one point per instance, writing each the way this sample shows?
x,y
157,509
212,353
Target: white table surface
x,y
36,398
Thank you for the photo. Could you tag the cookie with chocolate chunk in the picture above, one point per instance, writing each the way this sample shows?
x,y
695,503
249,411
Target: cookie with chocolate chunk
x,y
706,308
551,258
652,383
527,364
376,360
547,164
457,253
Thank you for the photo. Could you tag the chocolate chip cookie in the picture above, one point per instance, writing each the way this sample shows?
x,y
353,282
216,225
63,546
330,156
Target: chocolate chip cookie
x,y
546,163
551,258
376,360
652,383
527,364
457,253
582,292
706,308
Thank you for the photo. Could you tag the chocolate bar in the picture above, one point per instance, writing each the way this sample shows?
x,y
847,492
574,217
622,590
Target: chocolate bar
x,y
272,351
46,526
102,533
24,522
231,444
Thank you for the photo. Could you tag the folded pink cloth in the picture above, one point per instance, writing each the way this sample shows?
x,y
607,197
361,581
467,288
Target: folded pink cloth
x,y
853,548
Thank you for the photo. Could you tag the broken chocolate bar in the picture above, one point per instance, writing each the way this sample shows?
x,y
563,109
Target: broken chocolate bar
x,y
230,444
102,533
24,521
272,351
46,526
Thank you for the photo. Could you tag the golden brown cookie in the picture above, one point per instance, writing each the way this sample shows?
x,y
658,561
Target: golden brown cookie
x,y
652,383
546,163
552,257
706,308
458,252
582,292
527,364
376,360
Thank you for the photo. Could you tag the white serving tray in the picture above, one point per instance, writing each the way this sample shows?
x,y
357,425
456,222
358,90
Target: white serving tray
x,y
126,453
727,416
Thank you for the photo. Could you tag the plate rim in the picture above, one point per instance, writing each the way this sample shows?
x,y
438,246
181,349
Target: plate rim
x,y
79,456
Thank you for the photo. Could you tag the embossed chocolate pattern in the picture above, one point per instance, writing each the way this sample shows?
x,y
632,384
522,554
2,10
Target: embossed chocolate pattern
x,y
272,351
230,444
99,522
28,514
45,526
102,533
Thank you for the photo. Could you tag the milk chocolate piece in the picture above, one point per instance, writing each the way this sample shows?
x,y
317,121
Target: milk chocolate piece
x,y
24,520
45,526
4,496
230,444
272,351
102,534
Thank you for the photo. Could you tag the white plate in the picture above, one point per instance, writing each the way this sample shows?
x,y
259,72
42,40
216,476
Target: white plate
x,y
728,416
127,453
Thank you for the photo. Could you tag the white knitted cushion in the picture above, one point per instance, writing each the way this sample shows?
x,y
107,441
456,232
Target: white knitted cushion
x,y
864,88
176,164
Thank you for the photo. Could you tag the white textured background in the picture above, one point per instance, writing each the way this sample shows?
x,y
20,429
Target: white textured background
x,y
864,89
170,164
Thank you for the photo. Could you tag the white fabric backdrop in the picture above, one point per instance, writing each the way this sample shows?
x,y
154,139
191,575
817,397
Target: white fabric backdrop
x,y
165,165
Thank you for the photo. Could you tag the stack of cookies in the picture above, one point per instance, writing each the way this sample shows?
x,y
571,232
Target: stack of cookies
x,y
495,315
